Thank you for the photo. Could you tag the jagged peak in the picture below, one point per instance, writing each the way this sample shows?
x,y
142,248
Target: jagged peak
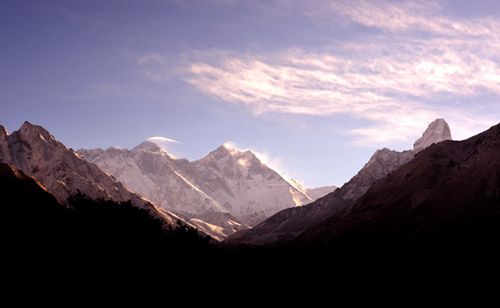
x,y
227,151
31,131
233,150
147,146
223,150
3,131
91,150
112,148
383,150
29,127
229,148
437,131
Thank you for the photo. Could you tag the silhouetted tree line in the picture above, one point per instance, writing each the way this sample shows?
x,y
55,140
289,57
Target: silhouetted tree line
x,y
34,227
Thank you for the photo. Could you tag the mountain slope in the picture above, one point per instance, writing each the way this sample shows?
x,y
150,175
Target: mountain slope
x,y
37,153
38,231
447,197
290,223
318,192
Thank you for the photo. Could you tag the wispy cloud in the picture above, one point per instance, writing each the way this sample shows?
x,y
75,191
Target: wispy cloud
x,y
392,91
400,81
409,16
162,140
167,144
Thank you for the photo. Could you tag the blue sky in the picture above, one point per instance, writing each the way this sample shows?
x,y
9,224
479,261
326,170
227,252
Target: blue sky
x,y
313,86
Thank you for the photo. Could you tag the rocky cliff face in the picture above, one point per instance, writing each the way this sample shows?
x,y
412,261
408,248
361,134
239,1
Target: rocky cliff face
x,y
437,131
382,162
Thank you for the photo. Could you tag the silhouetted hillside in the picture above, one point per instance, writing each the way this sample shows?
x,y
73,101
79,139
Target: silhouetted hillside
x,y
444,203
37,227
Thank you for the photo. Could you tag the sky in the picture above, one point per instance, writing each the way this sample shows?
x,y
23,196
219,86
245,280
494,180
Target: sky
x,y
314,87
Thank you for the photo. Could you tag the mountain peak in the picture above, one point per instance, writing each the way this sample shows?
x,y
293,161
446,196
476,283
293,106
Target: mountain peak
x,y
28,126
225,150
147,146
4,151
437,131
3,131
230,148
32,131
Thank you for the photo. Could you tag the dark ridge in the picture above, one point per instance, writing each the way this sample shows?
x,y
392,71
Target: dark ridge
x,y
445,203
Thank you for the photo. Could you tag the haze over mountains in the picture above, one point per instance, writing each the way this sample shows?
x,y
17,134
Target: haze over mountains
x,y
226,191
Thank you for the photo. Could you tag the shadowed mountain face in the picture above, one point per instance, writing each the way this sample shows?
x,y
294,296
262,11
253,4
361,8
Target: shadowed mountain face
x,y
21,194
290,223
446,199
37,228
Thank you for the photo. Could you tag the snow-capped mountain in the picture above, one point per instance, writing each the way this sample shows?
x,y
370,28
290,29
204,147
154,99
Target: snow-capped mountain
x,y
150,171
290,223
243,185
221,193
37,153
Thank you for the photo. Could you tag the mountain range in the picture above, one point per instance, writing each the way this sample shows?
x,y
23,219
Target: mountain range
x,y
35,152
444,202
226,191
442,196
288,224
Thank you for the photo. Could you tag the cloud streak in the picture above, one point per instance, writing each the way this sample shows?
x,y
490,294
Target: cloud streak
x,y
421,65
161,141
392,91
397,80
